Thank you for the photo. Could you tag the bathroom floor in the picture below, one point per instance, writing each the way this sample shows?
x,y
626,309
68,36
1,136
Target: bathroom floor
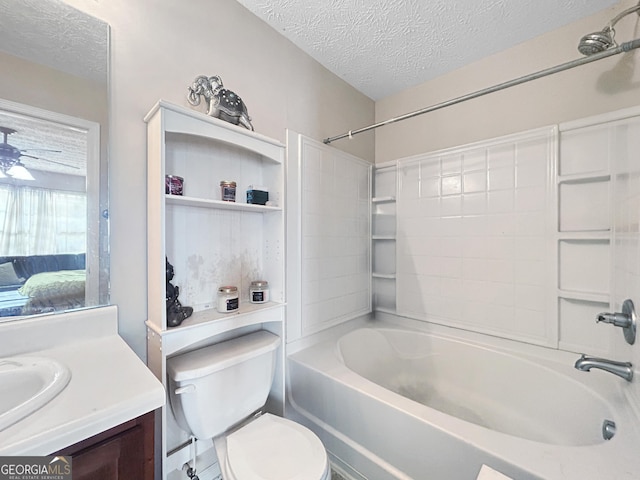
x,y
336,476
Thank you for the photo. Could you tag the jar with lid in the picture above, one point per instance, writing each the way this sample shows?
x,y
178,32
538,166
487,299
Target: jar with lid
x,y
228,191
228,300
259,291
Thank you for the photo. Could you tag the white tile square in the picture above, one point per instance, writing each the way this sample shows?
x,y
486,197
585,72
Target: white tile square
x,y
500,270
531,224
451,205
475,182
451,246
474,160
530,272
474,226
501,178
501,156
451,267
451,185
532,173
501,201
530,297
501,247
531,199
501,224
451,164
474,269
474,204
531,248
430,187
430,167
474,247
451,226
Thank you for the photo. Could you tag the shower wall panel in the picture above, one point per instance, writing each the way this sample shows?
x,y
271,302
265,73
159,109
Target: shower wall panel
x,y
475,236
329,237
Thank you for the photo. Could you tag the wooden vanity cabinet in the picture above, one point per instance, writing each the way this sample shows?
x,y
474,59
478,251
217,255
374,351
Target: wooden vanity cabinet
x,y
124,452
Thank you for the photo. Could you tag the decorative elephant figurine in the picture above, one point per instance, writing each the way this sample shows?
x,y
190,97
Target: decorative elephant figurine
x,y
222,103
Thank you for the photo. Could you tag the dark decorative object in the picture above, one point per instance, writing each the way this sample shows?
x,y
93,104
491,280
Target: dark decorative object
x,y
222,103
176,313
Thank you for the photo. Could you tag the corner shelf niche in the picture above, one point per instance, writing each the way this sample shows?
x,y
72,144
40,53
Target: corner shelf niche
x,y
384,238
210,243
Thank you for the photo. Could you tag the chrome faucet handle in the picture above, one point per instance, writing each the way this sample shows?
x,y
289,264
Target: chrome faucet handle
x,y
625,319
617,319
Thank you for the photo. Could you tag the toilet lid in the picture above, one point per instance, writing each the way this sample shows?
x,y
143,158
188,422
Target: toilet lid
x,y
274,448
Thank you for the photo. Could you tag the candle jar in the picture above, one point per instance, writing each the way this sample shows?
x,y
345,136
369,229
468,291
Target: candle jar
x,y
259,291
228,300
228,191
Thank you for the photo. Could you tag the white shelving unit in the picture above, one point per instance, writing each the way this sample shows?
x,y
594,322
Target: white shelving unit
x,y
584,236
210,243
384,238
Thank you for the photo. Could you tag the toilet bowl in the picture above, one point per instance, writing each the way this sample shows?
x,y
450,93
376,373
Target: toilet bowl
x,y
214,389
272,447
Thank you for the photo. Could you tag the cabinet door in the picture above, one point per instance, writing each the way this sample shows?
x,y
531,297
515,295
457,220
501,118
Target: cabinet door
x,y
116,459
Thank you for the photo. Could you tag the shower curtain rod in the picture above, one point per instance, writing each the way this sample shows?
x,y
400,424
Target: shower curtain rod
x,y
624,47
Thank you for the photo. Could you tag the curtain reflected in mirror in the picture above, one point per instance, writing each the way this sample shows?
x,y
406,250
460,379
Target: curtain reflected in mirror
x,y
53,159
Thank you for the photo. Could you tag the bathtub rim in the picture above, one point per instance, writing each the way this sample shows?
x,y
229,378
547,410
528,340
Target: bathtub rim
x,y
625,447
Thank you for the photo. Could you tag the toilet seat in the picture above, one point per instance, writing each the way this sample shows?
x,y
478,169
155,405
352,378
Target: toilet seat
x,y
272,448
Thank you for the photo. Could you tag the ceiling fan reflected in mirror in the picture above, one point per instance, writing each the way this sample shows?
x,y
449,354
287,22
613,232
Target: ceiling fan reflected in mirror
x,y
10,158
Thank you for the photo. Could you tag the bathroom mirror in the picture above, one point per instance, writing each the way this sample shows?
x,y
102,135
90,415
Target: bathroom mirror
x,y
54,96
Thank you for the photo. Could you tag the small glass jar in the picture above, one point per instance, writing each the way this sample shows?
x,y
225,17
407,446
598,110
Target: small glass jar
x,y
259,291
228,300
228,191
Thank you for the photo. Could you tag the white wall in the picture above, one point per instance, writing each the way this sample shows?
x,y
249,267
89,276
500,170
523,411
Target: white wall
x,y
158,48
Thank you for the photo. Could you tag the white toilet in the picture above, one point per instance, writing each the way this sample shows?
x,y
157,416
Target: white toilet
x,y
215,389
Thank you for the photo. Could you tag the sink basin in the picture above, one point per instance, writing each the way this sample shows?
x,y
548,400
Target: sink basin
x,y
28,383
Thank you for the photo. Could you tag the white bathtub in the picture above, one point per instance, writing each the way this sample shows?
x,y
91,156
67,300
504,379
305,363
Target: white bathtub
x,y
399,404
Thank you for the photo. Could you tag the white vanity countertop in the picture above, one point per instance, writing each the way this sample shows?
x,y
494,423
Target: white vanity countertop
x,y
109,383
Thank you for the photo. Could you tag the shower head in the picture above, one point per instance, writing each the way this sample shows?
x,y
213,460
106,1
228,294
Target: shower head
x,y
597,42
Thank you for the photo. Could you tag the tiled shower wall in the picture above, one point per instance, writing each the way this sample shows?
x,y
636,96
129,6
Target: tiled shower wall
x,y
526,237
475,236
332,230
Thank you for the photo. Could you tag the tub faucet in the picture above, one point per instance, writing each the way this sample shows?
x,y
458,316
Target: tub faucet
x,y
622,369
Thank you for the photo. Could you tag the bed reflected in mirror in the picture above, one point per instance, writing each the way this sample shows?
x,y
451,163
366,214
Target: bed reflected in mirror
x,y
53,159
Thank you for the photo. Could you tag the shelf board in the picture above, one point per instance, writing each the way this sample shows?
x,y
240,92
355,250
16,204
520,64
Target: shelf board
x,y
583,296
218,204
389,199
210,322
584,177
603,235
387,276
383,237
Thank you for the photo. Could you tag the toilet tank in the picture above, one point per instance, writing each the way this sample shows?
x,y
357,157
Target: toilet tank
x,y
215,387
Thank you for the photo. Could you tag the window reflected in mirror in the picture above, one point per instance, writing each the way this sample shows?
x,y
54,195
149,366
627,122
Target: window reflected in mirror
x,y
48,210
54,119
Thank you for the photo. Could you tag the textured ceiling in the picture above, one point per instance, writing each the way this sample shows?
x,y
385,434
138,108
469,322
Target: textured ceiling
x,y
53,34
58,148
56,35
385,46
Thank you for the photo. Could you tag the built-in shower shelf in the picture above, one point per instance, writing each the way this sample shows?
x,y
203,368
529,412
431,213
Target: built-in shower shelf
x,y
602,235
389,199
584,296
383,237
584,177
386,276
